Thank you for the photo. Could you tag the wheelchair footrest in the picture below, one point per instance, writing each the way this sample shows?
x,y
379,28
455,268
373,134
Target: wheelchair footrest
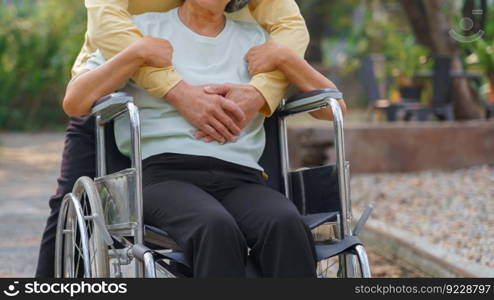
x,y
325,251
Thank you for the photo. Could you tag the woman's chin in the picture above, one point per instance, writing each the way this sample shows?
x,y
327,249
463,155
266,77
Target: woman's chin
x,y
212,6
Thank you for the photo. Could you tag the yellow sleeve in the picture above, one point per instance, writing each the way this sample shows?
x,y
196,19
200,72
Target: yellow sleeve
x,y
111,30
285,24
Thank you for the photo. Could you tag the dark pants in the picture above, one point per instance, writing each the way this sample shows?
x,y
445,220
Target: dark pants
x,y
216,210
78,160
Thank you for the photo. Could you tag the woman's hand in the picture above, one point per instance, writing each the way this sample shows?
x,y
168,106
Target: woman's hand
x,y
247,97
154,52
211,113
265,58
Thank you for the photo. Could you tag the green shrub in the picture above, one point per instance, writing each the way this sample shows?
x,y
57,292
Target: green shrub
x,y
39,41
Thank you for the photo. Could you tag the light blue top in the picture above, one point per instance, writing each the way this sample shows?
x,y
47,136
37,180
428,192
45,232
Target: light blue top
x,y
199,60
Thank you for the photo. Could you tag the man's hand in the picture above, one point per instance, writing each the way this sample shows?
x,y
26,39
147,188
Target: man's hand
x,y
154,52
265,58
212,114
247,97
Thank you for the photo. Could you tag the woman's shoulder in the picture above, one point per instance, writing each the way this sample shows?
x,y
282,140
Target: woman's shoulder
x,y
252,30
157,24
152,18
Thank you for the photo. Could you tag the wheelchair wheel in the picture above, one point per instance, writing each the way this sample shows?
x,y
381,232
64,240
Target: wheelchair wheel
x,y
80,249
328,268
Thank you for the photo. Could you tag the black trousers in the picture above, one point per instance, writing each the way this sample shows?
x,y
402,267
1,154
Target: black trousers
x,y
79,159
216,210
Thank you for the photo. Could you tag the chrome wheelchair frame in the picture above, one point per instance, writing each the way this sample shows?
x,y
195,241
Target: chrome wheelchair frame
x,y
103,219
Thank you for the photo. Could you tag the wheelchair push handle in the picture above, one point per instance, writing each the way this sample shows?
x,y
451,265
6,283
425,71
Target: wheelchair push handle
x,y
327,93
309,101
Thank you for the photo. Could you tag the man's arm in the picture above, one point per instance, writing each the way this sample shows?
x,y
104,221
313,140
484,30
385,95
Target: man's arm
x,y
299,72
286,26
111,30
305,78
90,85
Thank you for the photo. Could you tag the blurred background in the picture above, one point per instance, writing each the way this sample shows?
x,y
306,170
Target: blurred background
x,y
417,75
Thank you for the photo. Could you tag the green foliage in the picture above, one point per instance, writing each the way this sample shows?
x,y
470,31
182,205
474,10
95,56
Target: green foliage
x,y
483,49
385,30
39,41
484,55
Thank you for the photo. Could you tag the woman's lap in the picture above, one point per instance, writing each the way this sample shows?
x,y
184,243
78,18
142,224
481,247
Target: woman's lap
x,y
215,233
174,202
216,213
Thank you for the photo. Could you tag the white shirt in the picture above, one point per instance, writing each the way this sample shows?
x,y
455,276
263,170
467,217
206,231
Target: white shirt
x,y
200,60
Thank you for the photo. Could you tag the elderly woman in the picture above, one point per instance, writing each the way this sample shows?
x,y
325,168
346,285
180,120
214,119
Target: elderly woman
x,y
211,197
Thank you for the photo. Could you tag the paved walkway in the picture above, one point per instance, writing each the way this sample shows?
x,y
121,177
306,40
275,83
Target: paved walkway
x,y
29,167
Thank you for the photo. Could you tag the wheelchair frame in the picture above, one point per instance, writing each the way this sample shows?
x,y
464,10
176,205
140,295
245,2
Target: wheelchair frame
x,y
110,107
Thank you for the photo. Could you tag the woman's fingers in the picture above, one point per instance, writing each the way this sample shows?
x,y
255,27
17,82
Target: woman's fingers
x,y
228,136
199,134
233,110
228,123
214,134
217,89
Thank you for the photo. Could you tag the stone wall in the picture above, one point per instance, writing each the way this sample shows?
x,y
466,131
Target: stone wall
x,y
399,147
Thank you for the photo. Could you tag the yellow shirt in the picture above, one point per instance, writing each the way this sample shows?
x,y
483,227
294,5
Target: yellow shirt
x,y
110,29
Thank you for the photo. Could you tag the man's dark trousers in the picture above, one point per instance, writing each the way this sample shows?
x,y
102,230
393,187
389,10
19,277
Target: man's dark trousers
x,y
79,159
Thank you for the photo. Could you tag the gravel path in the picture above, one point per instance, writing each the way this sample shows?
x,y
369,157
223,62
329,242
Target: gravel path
x,y
453,211
29,166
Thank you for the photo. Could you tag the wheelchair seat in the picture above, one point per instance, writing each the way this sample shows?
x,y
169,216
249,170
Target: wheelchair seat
x,y
323,251
157,238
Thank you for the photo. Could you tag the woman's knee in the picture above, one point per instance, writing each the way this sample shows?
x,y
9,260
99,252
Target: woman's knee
x,y
219,225
286,218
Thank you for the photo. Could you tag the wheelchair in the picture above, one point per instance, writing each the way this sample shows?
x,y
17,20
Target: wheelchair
x,y
101,230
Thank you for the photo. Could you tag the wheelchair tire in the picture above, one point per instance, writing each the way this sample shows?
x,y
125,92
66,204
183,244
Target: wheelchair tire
x,y
80,249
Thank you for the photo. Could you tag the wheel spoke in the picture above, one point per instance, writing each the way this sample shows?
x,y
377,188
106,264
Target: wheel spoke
x,y
324,268
79,258
83,246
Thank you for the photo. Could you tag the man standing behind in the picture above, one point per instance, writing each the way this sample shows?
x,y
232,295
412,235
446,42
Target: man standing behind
x,y
219,112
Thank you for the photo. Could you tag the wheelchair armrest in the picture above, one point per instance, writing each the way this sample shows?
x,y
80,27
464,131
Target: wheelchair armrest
x,y
111,106
309,101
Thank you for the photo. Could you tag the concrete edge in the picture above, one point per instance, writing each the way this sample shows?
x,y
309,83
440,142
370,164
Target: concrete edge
x,y
418,255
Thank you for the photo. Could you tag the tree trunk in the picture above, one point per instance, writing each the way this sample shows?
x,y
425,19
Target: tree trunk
x,y
491,92
431,28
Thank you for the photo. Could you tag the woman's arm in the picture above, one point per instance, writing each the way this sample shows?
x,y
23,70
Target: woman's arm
x,y
83,90
298,71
